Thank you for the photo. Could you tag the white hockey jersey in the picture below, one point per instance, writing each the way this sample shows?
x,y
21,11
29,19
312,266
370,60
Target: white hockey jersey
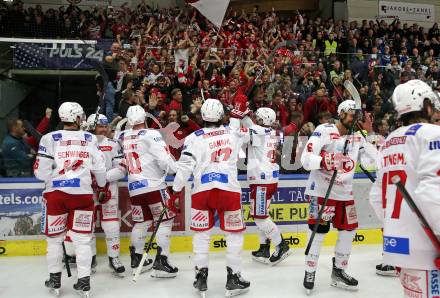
x,y
148,160
261,163
67,159
326,137
113,162
211,155
412,153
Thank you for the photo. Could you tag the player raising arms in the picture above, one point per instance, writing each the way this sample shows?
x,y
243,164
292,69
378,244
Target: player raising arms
x,y
412,153
148,161
66,161
211,155
262,174
323,155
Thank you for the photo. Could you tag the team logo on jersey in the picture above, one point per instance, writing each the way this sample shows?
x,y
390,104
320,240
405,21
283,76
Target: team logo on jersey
x,y
137,214
41,148
82,221
396,245
434,145
199,132
316,134
213,176
142,133
137,184
57,136
105,148
56,224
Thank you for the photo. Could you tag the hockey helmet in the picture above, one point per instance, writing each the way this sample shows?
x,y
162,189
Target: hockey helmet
x,y
267,115
136,115
70,111
409,97
212,110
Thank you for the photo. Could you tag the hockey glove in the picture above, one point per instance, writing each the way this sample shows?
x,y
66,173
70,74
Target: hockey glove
x,y
333,161
104,194
240,109
173,202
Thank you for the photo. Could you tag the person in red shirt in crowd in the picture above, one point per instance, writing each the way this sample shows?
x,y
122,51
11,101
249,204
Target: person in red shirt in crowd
x,y
41,128
279,107
176,100
316,104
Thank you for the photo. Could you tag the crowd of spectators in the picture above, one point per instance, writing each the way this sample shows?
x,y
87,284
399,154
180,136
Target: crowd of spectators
x,y
169,60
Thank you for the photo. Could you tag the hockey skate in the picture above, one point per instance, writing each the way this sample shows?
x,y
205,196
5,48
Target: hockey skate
x,y
309,281
54,283
235,284
94,264
386,270
136,259
342,280
281,252
201,281
162,268
117,267
82,286
262,255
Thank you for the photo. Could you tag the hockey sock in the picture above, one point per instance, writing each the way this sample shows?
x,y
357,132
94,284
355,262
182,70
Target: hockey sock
x,y
343,248
163,236
269,229
55,253
70,250
138,235
112,239
313,256
201,248
83,250
234,245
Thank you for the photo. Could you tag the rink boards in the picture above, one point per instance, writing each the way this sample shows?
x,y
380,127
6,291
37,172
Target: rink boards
x,y
20,217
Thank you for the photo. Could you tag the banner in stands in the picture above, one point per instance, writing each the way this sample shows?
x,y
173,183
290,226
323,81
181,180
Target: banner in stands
x,y
407,11
59,56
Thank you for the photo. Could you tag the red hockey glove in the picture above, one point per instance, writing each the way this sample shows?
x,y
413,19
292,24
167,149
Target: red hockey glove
x,y
104,194
333,161
173,202
240,109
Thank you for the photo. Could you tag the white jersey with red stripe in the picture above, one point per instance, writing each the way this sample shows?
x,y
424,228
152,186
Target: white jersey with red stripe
x,y
148,160
326,138
412,153
113,162
261,164
211,155
66,161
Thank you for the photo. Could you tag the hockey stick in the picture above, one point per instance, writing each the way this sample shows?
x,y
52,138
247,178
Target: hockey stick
x,y
409,200
332,180
149,245
66,261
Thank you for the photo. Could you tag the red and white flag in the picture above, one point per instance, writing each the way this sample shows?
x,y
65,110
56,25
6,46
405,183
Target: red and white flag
x,y
213,10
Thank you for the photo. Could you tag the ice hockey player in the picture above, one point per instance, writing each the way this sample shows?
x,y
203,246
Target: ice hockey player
x,y
412,152
108,210
323,155
66,161
211,155
262,174
148,161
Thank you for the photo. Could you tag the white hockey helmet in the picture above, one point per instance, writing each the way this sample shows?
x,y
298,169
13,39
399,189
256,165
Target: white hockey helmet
x,y
136,115
70,111
346,106
102,120
409,97
212,110
267,115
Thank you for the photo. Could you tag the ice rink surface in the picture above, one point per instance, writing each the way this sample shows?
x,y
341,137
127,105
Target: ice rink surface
x,y
24,277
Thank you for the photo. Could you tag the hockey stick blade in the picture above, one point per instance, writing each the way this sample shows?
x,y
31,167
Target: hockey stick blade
x,y
354,93
409,200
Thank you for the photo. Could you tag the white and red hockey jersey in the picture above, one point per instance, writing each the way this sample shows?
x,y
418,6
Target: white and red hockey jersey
x,y
148,160
66,161
261,158
211,155
113,156
326,137
413,153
